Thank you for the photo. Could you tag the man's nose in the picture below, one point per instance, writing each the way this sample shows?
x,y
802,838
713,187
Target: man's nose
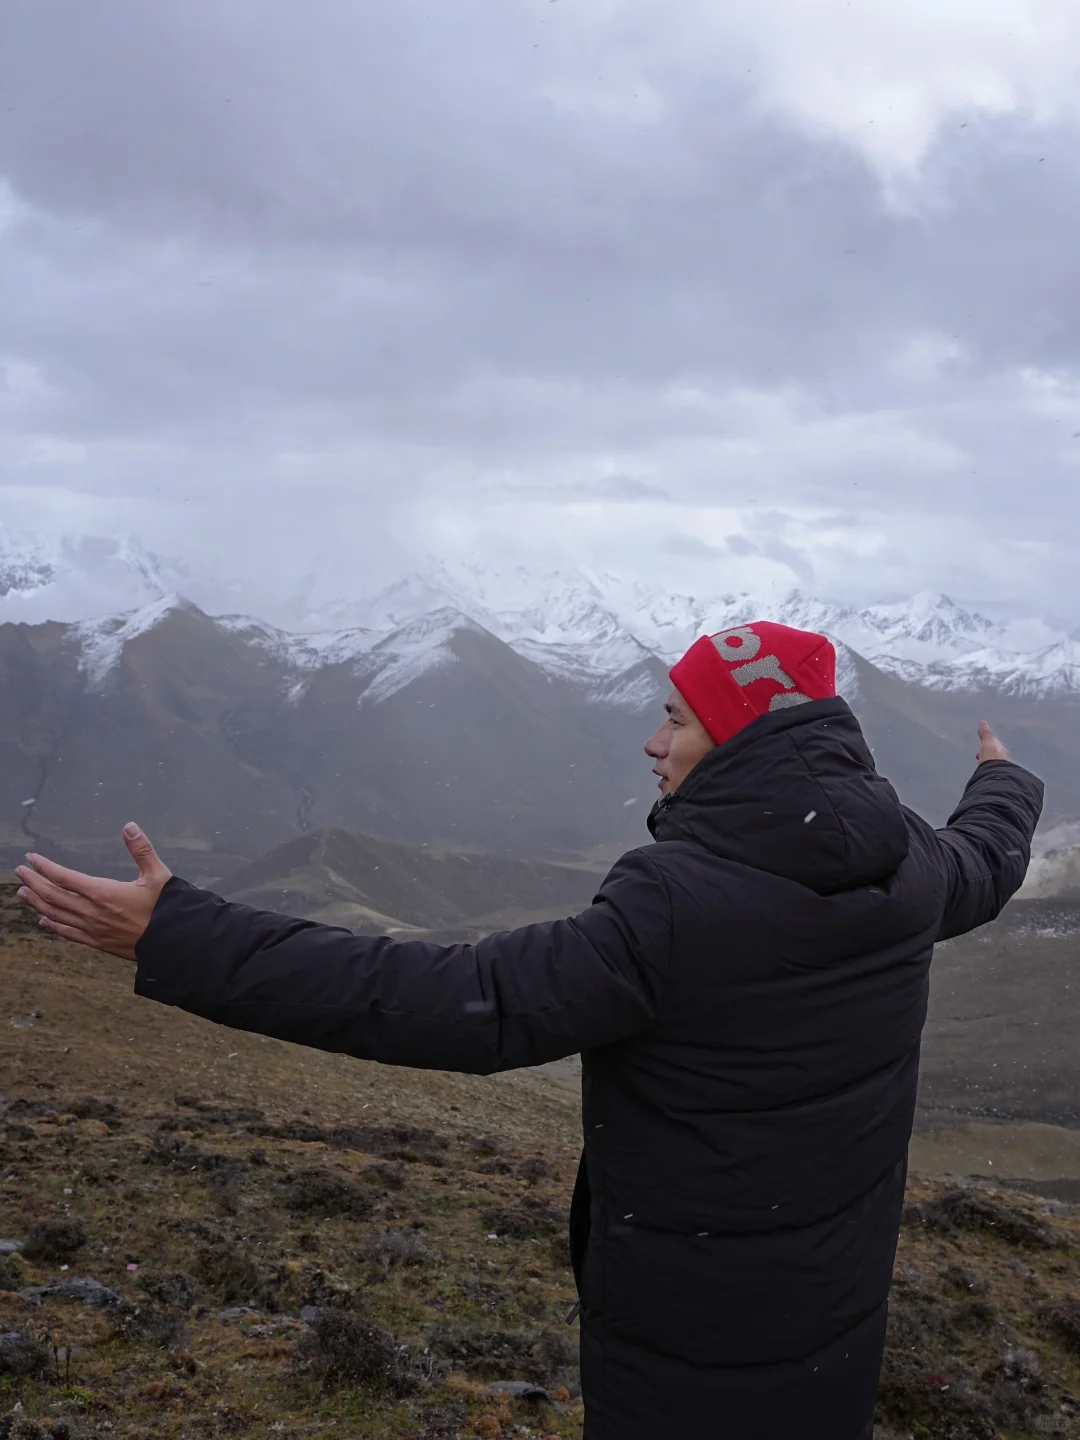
x,y
654,746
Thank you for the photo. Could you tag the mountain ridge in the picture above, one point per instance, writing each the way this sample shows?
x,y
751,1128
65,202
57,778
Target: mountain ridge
x,y
570,621
379,887
227,735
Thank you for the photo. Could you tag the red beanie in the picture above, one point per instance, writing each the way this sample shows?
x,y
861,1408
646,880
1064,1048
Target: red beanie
x,y
731,678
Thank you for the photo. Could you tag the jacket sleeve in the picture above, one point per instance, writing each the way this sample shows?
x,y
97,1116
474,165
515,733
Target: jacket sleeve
x,y
986,845
522,997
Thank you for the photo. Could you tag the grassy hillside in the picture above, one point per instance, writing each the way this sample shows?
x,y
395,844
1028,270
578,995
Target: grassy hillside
x,y
374,886
312,1243
1001,1035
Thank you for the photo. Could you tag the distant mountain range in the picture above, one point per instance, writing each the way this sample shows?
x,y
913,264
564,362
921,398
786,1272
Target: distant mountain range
x,y
468,706
588,626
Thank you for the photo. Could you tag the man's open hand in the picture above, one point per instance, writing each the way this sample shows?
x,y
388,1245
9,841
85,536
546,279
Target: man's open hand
x,y
109,915
990,747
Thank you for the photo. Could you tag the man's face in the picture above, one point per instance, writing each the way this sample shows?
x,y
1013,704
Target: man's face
x,y
678,745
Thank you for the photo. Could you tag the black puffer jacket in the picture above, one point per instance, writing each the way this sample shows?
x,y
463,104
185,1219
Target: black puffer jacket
x,y
748,995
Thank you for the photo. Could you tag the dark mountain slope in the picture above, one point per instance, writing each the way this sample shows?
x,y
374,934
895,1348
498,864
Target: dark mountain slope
x,y
226,740
375,885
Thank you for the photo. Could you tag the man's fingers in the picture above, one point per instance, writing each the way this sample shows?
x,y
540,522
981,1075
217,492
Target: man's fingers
x,y
48,900
55,908
107,915
68,932
72,880
36,884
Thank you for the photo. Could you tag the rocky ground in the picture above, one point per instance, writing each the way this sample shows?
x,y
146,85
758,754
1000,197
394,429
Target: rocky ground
x,y
204,1233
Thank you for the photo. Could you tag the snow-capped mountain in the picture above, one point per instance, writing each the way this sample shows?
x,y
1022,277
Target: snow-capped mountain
x,y
101,643
506,710
84,578
590,628
26,568
575,623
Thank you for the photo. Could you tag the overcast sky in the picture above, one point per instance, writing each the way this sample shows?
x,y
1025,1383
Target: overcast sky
x,y
713,294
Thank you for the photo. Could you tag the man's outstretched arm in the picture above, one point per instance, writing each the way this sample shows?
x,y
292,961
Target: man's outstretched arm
x,y
986,844
518,998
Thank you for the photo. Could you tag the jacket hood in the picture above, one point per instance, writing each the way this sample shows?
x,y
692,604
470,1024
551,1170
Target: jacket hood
x,y
796,794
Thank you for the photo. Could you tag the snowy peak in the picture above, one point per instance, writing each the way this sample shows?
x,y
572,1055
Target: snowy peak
x,y
593,630
84,578
26,568
576,624
102,642
436,627
413,598
412,650
586,627
931,621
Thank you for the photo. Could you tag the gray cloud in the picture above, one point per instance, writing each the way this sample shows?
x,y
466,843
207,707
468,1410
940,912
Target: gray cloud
x,y
614,489
277,278
789,557
692,547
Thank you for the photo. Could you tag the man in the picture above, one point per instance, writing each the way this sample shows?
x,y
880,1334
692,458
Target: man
x,y
748,996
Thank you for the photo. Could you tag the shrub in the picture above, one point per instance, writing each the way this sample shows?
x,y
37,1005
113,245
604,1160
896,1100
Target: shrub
x,y
394,1247
545,1358
321,1193
960,1210
390,1177
163,1328
230,1273
55,1240
348,1349
11,1273
533,1218
170,1288
1064,1321
91,1108
24,1355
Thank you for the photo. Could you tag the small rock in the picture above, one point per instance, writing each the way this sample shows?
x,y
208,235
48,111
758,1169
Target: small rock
x,y
10,1247
519,1389
90,1292
1019,1268
309,1314
239,1312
